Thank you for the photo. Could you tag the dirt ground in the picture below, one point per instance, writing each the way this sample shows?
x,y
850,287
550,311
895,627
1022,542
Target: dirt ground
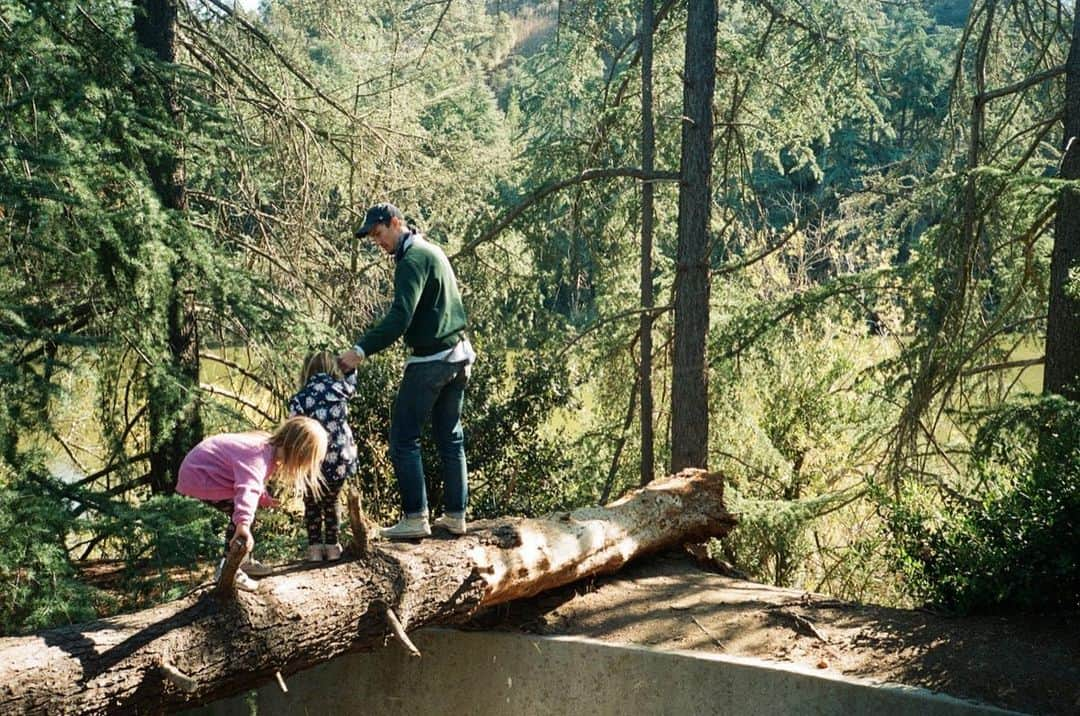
x,y
1029,664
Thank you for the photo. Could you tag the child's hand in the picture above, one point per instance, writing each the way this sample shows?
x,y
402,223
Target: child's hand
x,y
243,538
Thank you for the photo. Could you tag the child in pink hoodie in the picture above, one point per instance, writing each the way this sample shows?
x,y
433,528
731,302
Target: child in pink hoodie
x,y
230,472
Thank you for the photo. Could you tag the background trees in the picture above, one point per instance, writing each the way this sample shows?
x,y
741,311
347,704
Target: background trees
x,y
888,185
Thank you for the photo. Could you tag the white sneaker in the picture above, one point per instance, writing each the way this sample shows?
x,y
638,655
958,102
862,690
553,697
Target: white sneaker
x,y
452,521
242,581
408,528
255,568
314,553
333,552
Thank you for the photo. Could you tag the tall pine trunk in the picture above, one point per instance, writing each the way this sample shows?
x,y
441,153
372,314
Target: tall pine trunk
x,y
689,380
648,155
1062,374
172,388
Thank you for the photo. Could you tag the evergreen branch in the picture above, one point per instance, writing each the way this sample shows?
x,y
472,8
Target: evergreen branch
x,y
811,507
585,176
1020,86
85,500
131,423
1004,365
764,253
735,458
110,469
236,397
660,15
438,23
241,68
792,307
258,380
285,61
67,449
269,257
90,545
601,322
817,34
1042,128
250,78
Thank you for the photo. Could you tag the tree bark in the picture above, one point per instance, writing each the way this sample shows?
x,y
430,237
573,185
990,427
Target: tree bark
x,y
1062,374
201,648
689,380
175,424
648,155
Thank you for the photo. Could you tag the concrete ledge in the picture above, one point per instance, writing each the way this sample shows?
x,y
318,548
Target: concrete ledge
x,y
515,674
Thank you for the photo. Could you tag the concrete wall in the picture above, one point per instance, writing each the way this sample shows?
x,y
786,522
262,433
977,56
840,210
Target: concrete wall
x,y
513,674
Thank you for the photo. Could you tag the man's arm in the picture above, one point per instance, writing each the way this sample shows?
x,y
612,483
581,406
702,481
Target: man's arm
x,y
408,285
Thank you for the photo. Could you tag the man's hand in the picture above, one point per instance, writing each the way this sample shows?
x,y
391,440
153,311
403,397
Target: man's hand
x,y
243,537
348,360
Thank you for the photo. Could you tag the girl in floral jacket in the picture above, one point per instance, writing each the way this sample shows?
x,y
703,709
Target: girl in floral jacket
x,y
324,395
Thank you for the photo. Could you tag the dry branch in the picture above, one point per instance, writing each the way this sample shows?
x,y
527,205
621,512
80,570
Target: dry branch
x,y
358,521
225,589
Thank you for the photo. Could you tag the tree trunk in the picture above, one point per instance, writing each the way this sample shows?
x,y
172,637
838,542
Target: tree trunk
x,y
175,424
648,155
689,380
1062,374
198,649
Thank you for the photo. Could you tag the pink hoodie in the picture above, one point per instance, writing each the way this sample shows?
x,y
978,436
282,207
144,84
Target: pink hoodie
x,y
231,466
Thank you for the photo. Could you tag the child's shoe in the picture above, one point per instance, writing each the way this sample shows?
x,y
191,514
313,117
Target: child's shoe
x,y
333,552
244,582
314,553
255,568
452,521
408,528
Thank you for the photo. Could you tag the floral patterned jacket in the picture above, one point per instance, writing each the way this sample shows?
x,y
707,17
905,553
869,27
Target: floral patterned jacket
x,y
325,398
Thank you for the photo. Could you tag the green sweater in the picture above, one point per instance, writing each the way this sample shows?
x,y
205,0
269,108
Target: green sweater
x,y
427,306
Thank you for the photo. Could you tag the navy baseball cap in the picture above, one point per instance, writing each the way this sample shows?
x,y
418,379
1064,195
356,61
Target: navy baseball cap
x,y
378,214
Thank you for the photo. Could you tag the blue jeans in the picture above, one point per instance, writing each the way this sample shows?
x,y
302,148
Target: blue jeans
x,y
434,391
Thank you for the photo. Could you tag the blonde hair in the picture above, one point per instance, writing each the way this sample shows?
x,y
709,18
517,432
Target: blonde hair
x,y
300,446
319,362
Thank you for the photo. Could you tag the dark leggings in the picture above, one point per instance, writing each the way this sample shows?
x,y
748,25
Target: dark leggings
x,y
225,506
324,510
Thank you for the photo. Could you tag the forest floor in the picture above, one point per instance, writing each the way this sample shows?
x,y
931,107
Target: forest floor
x,y
1029,664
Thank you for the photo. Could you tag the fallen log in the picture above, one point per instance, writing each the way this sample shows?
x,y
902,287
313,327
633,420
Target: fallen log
x,y
198,649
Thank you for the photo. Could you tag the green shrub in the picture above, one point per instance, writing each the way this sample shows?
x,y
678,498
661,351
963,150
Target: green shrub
x,y
514,468
38,584
161,532
1017,545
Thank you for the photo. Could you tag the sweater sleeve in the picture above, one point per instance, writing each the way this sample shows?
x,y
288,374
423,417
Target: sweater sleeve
x,y
247,491
408,285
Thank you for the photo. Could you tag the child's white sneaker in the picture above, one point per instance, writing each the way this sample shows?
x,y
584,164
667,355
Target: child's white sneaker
x,y
332,552
314,553
408,528
452,521
255,568
244,582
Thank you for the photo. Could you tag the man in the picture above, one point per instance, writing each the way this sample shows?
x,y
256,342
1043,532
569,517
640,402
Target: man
x,y
428,312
